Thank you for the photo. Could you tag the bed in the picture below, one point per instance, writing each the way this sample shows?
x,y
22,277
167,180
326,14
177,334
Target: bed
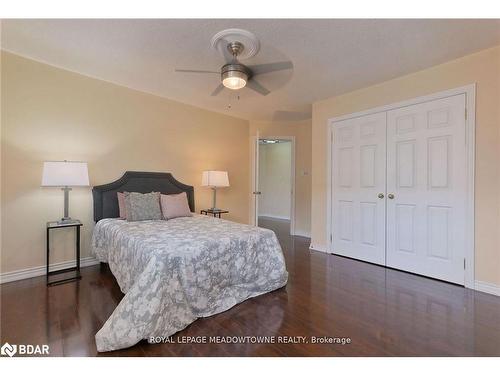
x,y
175,271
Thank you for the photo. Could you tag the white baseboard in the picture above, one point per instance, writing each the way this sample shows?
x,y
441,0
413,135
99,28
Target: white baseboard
x,y
274,217
27,273
302,234
485,287
318,247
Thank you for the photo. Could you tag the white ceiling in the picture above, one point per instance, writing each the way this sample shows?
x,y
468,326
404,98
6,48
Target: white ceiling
x,y
330,57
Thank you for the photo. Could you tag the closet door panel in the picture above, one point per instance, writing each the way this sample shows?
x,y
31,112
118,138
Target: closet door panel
x,y
359,153
426,175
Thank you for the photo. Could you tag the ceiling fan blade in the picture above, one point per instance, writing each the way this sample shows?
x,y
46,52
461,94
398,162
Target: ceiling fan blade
x,y
195,71
270,67
256,86
217,90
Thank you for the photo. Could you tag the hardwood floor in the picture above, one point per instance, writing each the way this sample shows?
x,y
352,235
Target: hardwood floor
x,y
384,312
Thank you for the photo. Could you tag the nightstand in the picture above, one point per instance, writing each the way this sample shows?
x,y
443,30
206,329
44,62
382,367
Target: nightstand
x,y
215,213
51,225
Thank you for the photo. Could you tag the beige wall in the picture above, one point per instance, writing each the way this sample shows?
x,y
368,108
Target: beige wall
x,y
275,173
482,68
301,130
52,114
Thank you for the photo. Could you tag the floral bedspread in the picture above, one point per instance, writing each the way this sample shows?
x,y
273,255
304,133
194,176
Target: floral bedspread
x,y
173,272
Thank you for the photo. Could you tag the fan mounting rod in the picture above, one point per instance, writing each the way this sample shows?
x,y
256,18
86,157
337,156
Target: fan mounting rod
x,y
235,48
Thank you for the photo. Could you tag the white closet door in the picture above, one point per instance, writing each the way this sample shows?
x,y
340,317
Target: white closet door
x,y
358,157
426,159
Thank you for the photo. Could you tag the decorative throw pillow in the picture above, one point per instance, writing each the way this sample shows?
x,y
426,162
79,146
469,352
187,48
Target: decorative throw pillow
x,y
175,205
142,206
121,205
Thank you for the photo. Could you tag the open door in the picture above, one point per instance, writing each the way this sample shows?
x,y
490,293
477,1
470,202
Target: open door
x,y
254,189
269,193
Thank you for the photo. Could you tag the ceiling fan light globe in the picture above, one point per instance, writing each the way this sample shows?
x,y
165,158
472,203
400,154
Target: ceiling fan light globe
x,y
234,79
234,83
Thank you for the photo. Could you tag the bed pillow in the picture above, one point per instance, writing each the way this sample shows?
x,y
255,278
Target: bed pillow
x,y
121,205
142,206
175,205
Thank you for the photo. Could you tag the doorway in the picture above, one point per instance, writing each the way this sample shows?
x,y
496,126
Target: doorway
x,y
274,183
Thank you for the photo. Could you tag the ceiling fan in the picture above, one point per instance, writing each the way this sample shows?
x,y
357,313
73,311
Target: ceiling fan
x,y
235,75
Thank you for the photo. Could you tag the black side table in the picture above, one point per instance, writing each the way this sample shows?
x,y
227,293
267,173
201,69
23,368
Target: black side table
x,y
56,225
215,213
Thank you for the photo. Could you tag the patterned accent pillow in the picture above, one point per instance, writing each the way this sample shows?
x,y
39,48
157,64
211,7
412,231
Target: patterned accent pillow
x,y
142,206
175,205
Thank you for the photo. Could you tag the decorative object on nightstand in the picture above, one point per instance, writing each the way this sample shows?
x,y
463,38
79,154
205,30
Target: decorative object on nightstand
x,y
216,213
214,180
57,225
65,174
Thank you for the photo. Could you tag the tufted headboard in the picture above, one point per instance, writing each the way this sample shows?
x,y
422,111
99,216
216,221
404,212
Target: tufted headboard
x,y
106,200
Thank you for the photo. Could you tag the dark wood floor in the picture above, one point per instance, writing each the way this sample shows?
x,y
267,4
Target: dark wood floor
x,y
384,312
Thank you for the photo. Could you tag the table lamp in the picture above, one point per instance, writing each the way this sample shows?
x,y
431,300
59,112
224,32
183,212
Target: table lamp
x,y
214,180
65,174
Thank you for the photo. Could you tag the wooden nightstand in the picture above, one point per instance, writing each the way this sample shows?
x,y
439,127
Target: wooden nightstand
x,y
215,213
57,225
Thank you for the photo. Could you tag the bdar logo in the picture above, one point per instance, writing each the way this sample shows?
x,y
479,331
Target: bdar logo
x,y
8,349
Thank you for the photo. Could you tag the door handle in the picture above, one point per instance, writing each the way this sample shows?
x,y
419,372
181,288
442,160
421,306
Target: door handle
x,y
380,195
390,196
257,192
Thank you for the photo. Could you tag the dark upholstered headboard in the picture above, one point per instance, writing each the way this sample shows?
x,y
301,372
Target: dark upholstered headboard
x,y
106,200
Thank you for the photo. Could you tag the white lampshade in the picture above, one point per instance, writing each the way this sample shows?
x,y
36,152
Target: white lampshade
x,y
65,173
215,179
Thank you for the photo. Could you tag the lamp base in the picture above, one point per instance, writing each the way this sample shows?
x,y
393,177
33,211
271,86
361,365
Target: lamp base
x,y
214,199
66,220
